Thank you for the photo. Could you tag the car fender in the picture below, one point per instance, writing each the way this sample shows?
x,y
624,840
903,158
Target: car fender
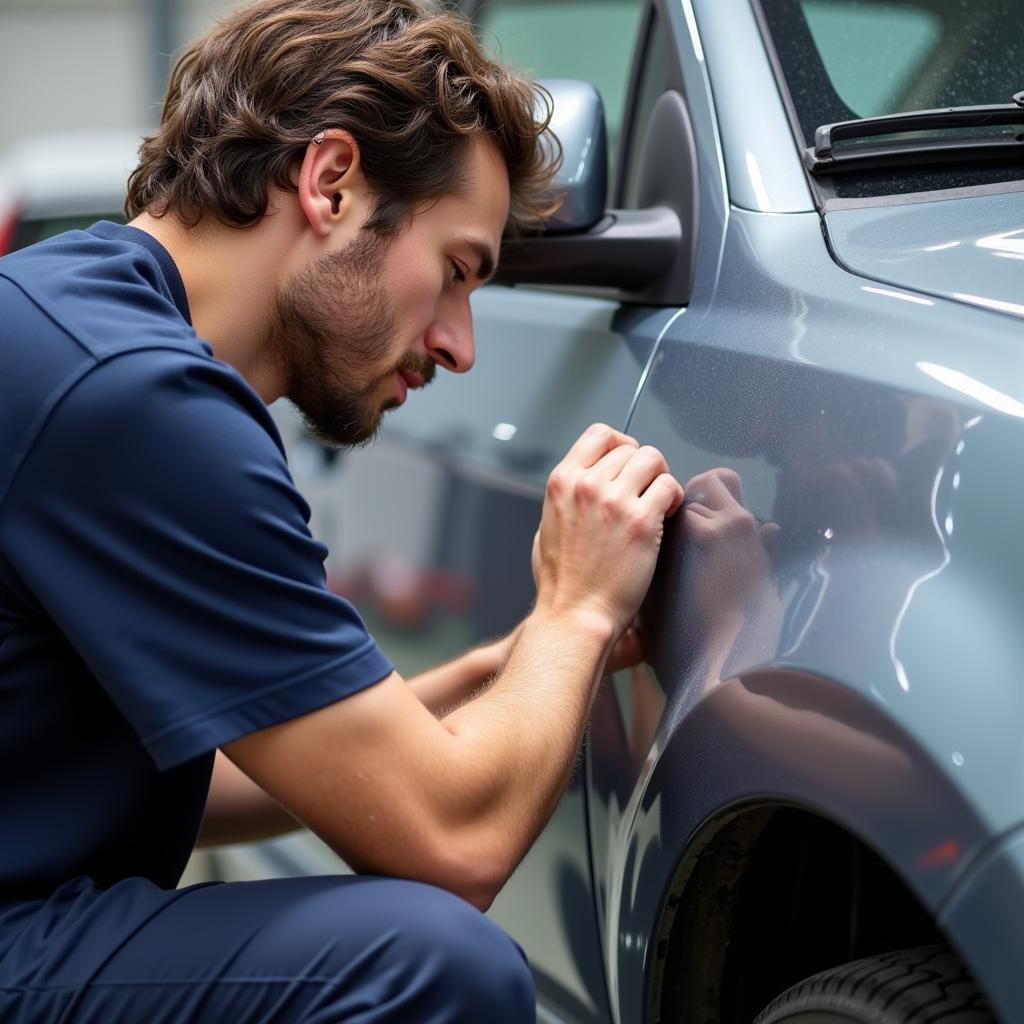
x,y
779,737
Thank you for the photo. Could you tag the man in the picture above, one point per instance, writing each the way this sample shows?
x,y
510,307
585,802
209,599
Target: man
x,y
330,181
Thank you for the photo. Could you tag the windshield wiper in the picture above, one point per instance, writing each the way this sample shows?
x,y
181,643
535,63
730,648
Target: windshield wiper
x,y
824,157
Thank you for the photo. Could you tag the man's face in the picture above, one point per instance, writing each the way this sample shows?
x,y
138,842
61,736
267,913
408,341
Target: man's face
x,y
360,326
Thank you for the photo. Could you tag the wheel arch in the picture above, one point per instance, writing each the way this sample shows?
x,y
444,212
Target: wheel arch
x,y
746,755
727,943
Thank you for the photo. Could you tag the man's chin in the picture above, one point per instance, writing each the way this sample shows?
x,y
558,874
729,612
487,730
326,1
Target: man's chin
x,y
343,435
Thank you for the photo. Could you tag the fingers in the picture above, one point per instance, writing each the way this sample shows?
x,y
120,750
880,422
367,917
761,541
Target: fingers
x,y
717,489
609,466
665,494
645,474
596,441
645,464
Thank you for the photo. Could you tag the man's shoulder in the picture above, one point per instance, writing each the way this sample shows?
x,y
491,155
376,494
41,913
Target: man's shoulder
x,y
92,335
102,289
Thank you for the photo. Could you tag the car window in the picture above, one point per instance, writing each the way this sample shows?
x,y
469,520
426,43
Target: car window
x,y
874,53
587,39
656,76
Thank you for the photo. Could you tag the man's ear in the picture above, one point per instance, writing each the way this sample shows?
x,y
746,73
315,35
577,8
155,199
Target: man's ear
x,y
331,184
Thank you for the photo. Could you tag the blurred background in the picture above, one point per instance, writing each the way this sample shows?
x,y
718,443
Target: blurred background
x,y
90,65
82,80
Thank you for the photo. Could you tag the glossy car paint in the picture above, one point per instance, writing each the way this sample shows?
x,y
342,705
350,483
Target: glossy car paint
x,y
763,169
970,248
986,907
875,416
876,676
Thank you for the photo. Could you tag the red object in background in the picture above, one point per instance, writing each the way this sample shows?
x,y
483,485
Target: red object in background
x,y
404,595
8,225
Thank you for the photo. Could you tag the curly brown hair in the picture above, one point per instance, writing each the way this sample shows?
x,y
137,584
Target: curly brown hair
x,y
413,87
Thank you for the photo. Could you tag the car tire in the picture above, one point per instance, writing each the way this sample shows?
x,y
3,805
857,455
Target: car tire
x,y
928,985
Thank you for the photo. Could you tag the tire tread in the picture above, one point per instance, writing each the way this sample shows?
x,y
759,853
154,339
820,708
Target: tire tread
x,y
927,985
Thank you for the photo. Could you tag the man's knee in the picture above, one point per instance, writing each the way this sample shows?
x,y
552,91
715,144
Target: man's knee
x,y
412,952
472,967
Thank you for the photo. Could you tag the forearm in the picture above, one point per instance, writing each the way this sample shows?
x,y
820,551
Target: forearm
x,y
238,810
519,740
448,686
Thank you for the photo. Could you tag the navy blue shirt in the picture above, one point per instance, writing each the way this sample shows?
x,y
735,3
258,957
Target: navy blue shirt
x,y
160,592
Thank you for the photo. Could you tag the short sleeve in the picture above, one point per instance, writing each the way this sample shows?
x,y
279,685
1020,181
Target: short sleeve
x,y
155,521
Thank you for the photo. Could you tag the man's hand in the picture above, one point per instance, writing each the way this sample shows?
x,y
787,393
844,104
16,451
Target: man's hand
x,y
601,527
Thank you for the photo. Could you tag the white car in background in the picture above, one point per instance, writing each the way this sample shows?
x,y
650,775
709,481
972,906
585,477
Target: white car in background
x,y
53,183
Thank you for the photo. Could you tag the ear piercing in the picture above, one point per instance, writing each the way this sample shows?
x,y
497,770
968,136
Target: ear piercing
x,y
318,138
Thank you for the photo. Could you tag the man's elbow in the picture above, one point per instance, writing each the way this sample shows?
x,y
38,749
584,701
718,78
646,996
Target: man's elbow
x,y
473,870
480,892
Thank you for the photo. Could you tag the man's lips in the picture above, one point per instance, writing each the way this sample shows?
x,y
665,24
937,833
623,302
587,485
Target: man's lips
x,y
412,380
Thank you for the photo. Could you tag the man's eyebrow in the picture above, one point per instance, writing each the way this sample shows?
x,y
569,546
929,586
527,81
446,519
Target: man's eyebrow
x,y
484,254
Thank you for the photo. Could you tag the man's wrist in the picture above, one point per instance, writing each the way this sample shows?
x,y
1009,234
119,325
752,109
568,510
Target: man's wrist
x,y
589,624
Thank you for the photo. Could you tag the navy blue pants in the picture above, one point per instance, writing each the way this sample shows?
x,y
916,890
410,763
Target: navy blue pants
x,y
311,950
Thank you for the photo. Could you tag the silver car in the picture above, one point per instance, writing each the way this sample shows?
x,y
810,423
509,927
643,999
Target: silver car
x,y
809,804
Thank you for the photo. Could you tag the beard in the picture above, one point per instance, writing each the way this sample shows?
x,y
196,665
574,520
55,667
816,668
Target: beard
x,y
334,320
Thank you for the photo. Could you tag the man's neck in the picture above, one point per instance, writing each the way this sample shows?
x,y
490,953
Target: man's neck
x,y
231,276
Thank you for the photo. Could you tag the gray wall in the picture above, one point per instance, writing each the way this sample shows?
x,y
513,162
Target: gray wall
x,y
89,64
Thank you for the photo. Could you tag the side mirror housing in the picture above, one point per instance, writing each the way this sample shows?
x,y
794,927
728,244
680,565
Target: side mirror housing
x,y
577,120
639,253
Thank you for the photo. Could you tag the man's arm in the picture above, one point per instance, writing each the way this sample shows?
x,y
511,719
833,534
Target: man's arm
x,y
240,811
457,802
448,686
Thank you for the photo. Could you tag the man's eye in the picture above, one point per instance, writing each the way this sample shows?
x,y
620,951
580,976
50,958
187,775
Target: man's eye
x,y
458,274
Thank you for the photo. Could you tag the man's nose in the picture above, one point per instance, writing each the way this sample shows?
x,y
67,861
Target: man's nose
x,y
450,342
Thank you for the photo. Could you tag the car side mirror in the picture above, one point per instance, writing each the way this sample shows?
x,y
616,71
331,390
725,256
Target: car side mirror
x,y
637,252
577,119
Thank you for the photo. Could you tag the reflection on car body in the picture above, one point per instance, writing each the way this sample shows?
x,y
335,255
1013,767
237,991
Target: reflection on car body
x,y
822,760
